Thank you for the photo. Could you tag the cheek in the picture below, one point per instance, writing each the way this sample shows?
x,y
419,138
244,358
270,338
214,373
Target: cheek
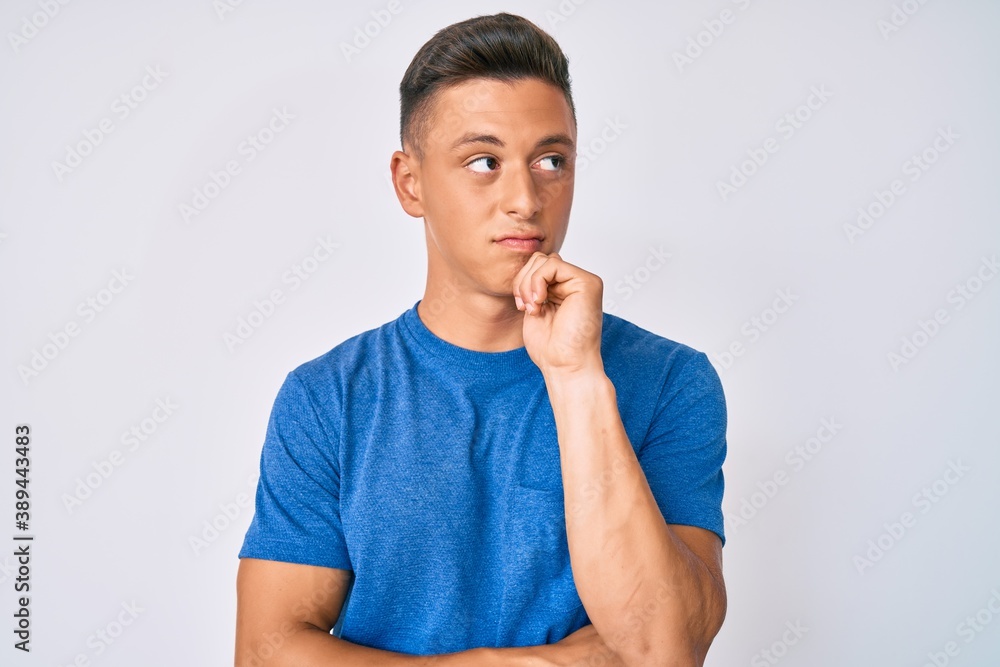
x,y
558,194
466,210
454,198
462,215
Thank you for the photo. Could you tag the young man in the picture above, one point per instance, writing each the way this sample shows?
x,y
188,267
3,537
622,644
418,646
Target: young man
x,y
504,474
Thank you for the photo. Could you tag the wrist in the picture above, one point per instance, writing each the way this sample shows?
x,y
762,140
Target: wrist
x,y
588,370
525,656
577,385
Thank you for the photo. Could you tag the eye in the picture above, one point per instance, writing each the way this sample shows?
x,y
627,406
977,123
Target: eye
x,y
560,160
482,160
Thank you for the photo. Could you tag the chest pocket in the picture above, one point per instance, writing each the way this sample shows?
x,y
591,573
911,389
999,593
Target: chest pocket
x,y
536,549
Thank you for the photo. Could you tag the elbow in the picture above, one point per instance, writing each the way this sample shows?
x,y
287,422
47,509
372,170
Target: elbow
x,y
274,647
680,653
680,644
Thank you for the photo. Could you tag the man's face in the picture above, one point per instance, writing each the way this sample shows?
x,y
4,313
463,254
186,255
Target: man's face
x,y
498,160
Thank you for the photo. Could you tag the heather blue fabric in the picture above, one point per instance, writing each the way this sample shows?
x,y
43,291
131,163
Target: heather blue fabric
x,y
432,472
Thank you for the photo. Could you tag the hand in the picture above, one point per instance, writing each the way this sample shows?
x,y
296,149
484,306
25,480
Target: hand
x,y
563,314
582,649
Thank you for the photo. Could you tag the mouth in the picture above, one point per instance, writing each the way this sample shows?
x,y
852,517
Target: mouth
x,y
520,245
520,242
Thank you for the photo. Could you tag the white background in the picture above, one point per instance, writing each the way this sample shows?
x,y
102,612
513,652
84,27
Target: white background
x,y
793,549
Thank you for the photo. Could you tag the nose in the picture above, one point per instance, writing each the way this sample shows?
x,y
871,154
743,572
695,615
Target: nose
x,y
521,197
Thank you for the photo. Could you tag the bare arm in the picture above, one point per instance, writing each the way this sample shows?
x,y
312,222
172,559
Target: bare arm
x,y
285,611
655,590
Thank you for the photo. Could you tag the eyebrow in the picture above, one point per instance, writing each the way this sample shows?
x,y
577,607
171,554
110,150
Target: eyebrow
x,y
478,138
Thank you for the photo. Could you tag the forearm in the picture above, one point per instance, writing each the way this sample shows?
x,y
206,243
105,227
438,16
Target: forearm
x,y
315,647
645,592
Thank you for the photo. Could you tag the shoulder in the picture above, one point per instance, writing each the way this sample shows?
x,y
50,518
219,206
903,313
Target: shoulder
x,y
325,379
315,393
348,356
630,349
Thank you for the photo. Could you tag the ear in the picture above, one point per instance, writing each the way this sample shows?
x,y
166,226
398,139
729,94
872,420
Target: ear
x,y
405,179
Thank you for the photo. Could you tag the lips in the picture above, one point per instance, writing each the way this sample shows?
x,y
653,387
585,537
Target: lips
x,y
529,244
521,236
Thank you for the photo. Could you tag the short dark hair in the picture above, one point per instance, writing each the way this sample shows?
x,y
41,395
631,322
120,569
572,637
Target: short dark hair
x,y
503,47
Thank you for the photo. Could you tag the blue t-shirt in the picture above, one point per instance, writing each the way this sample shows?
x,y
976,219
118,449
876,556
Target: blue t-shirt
x,y
432,472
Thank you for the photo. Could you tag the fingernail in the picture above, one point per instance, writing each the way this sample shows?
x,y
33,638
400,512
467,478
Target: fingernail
x,y
517,300
534,296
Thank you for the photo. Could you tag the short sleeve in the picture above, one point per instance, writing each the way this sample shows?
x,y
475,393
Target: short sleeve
x,y
297,510
685,446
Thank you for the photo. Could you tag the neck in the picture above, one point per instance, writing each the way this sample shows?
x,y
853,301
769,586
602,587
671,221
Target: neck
x,y
469,318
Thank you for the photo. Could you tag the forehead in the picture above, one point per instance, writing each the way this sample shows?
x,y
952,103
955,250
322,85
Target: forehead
x,y
519,108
